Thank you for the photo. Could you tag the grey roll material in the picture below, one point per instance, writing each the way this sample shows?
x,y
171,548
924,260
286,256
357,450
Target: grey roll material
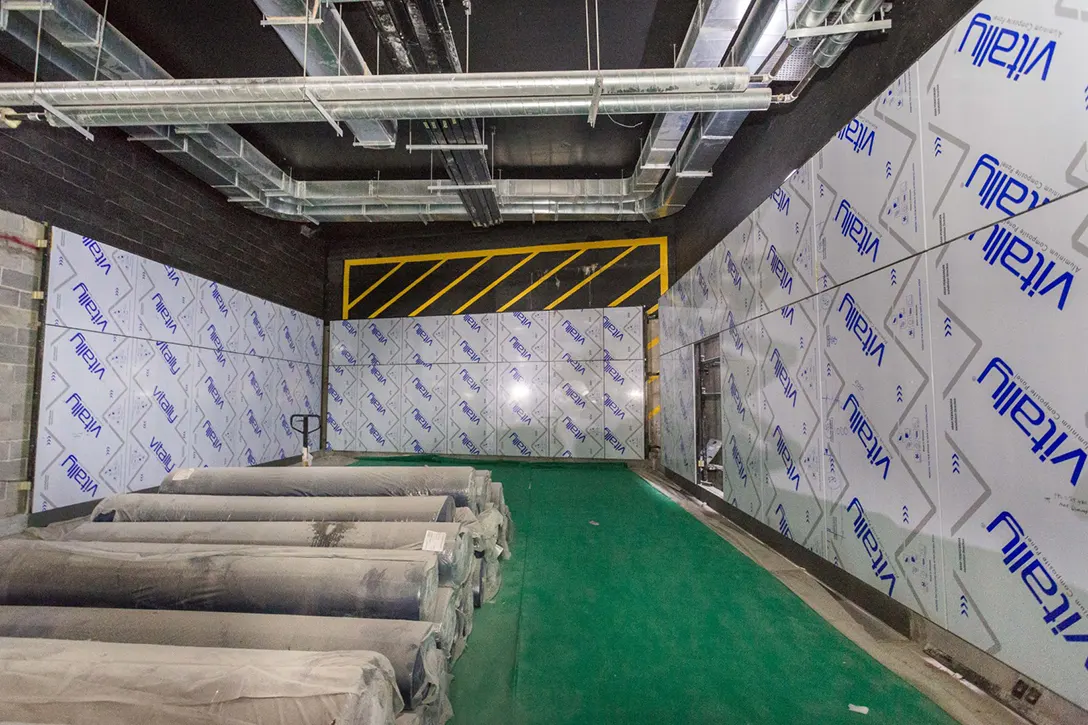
x,y
460,482
478,582
162,507
445,619
106,683
466,608
454,561
226,582
497,500
409,646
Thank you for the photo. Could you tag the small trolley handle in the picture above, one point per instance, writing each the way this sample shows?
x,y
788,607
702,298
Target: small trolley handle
x,y
305,430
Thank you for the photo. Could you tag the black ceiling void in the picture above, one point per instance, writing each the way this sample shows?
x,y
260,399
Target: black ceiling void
x,y
771,145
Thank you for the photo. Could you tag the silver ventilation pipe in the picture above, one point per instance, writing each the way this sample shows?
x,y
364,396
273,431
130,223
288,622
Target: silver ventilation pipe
x,y
220,156
712,132
704,46
813,13
754,99
324,47
831,47
481,87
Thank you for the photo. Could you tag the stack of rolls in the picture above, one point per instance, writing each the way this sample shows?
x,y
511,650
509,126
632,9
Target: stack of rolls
x,y
365,577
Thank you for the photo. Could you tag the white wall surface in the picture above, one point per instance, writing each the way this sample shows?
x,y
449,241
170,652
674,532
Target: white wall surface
x,y
565,383
903,324
148,368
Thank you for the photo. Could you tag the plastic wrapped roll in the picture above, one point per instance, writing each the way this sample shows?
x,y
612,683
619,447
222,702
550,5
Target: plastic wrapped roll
x,y
445,619
222,582
418,665
460,482
478,582
497,500
467,609
105,683
410,718
162,507
454,560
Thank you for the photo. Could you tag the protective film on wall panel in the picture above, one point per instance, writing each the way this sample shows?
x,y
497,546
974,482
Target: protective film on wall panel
x,y
564,383
148,368
930,322
1012,439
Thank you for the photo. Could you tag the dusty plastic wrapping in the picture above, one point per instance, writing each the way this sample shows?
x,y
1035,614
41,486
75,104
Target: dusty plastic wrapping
x,y
492,578
225,582
497,500
454,559
106,683
445,619
478,582
165,507
466,608
461,482
419,667
410,718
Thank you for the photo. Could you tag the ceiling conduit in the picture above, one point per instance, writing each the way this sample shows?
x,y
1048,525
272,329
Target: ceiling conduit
x,y
218,155
324,47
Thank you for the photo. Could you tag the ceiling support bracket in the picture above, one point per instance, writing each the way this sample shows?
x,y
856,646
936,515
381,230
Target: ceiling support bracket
x,y
595,104
820,30
323,111
64,120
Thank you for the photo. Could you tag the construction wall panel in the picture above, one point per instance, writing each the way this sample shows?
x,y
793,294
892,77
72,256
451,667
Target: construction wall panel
x,y
559,383
148,368
900,327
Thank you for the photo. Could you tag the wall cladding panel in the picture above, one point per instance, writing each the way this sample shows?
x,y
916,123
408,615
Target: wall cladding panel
x,y
1012,439
183,385
510,384
941,375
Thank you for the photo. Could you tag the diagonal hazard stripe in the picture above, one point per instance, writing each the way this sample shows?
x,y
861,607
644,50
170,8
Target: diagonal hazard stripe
x,y
450,286
590,278
494,284
407,289
368,290
540,281
622,298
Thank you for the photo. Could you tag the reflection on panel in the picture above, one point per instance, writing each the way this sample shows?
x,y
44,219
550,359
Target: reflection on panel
x,y
566,383
917,404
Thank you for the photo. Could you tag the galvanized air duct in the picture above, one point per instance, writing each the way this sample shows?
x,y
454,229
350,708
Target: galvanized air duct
x,y
831,47
704,46
755,99
324,47
375,89
712,132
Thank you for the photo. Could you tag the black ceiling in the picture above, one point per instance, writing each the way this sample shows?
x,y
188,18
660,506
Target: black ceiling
x,y
224,38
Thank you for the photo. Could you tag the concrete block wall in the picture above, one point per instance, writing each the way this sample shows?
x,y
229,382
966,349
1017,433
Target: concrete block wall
x,y
20,270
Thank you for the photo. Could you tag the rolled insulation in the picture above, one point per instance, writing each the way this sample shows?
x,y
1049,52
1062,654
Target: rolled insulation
x,y
454,560
162,507
445,619
460,482
72,574
105,683
478,582
418,665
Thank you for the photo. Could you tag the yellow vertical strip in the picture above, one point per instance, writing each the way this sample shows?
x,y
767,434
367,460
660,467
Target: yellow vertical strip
x,y
540,281
590,278
407,289
372,287
494,284
663,250
450,286
622,298
344,303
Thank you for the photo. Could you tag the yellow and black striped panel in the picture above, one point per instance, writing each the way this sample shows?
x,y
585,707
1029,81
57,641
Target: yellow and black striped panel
x,y
544,277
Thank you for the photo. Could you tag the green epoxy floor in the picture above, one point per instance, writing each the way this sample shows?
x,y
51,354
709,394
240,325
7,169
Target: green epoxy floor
x,y
620,607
